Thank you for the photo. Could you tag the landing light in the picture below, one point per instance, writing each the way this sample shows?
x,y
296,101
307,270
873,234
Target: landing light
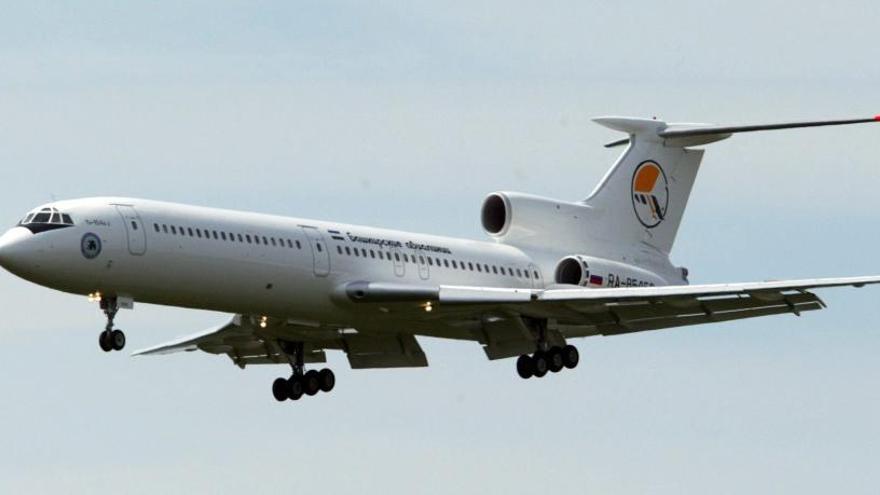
x,y
263,321
95,297
429,307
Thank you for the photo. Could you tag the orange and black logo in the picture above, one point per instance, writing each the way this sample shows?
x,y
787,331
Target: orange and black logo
x,y
650,193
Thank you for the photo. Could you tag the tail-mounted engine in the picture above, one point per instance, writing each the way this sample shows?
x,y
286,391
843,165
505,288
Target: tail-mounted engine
x,y
588,271
524,218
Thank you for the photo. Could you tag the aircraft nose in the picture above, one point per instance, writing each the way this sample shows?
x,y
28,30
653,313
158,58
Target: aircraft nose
x,y
11,246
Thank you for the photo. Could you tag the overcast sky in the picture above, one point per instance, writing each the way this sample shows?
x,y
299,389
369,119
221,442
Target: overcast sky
x,y
405,115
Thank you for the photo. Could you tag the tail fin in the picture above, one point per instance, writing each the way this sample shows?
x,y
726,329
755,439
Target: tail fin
x,y
643,197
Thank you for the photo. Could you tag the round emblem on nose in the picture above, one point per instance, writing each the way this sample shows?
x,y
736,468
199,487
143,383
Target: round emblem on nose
x,y
90,246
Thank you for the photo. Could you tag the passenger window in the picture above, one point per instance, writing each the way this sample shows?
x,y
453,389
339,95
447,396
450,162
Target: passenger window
x,y
470,266
156,226
486,267
240,238
396,256
495,269
454,264
430,261
320,249
405,258
215,234
223,235
421,260
190,231
248,237
446,263
265,241
199,233
518,273
134,225
256,239
348,250
173,230
372,254
536,275
339,249
164,228
298,245
273,241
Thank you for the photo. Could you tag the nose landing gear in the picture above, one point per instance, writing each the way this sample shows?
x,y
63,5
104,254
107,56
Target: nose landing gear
x,y
111,339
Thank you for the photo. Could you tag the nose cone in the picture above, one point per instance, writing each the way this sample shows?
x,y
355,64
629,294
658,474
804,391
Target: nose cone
x,y
12,249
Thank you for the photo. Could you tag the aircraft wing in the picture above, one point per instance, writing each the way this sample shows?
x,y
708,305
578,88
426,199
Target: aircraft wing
x,y
496,314
247,342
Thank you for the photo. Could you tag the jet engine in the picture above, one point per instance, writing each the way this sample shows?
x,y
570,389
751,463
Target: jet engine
x,y
588,271
525,218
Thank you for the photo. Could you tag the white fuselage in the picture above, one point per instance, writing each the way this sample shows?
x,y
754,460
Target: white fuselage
x,y
248,263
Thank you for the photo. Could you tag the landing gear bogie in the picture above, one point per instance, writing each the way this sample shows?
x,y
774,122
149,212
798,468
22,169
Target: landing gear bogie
x,y
301,382
553,360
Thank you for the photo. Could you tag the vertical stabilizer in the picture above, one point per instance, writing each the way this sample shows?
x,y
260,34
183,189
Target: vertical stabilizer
x,y
643,197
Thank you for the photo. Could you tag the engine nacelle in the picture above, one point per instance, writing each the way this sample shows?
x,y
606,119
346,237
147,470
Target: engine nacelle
x,y
588,271
528,218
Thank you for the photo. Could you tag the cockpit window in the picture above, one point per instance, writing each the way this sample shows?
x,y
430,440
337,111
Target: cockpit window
x,y
46,216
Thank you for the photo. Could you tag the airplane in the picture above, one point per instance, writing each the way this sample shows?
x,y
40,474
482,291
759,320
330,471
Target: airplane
x,y
551,271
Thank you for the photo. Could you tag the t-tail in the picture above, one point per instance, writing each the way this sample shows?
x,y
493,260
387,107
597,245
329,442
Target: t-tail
x,y
642,198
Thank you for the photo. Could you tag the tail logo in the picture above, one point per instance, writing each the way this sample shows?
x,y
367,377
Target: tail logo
x,y
650,193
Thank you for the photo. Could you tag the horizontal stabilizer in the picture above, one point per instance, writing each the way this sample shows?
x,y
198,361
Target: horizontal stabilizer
x,y
696,134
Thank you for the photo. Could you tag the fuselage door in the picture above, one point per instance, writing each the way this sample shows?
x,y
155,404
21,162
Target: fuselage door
x,y
533,272
134,230
424,271
399,264
320,251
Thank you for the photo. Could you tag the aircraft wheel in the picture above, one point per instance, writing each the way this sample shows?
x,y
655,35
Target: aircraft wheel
x,y
539,360
554,360
326,379
105,341
280,389
525,367
117,339
311,383
570,356
295,388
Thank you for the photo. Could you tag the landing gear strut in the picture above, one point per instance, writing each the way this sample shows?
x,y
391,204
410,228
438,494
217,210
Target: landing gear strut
x,y
546,358
111,339
301,382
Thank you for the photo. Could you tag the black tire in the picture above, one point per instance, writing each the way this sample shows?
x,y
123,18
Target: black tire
x,y
524,367
554,360
570,356
281,389
311,382
295,388
326,379
117,339
540,364
104,340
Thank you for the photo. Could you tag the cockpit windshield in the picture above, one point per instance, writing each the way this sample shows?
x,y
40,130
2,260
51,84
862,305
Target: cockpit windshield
x,y
46,216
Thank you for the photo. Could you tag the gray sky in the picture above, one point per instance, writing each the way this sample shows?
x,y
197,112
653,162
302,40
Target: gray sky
x,y
405,116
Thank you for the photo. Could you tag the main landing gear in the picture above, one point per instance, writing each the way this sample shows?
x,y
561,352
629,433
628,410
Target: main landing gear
x,y
301,382
111,339
553,360
546,358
